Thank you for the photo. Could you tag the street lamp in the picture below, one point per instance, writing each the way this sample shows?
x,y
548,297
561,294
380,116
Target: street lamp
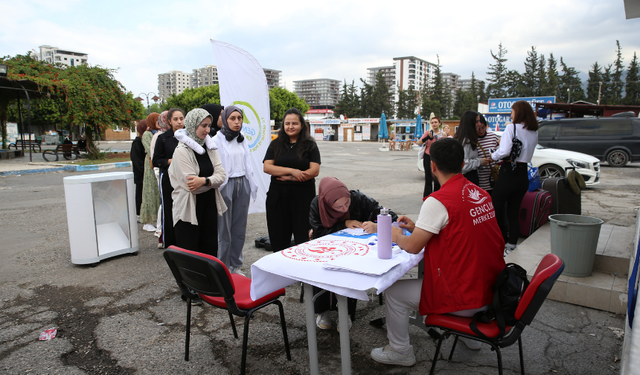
x,y
155,98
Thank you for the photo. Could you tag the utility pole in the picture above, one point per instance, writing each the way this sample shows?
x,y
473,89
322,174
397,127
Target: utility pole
x,y
569,95
599,92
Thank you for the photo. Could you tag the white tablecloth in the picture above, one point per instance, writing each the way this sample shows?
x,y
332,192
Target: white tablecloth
x,y
304,263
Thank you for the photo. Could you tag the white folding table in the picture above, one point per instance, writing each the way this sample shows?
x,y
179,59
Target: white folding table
x,y
304,263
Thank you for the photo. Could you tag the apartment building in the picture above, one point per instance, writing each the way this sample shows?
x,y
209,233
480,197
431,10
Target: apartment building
x,y
318,93
173,83
273,77
203,77
55,55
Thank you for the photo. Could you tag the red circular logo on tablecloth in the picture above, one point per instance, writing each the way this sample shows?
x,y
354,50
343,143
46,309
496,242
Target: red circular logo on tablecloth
x,y
324,250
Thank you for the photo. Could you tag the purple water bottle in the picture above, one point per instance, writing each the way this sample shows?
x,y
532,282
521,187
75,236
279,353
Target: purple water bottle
x,y
384,234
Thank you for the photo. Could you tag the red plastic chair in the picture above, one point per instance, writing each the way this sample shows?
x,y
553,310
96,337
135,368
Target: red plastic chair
x,y
539,287
206,277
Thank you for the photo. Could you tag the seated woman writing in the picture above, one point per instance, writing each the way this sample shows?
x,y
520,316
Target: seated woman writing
x,y
334,209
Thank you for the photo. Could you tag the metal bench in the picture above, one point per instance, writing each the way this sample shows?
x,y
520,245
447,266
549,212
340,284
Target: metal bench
x,y
68,151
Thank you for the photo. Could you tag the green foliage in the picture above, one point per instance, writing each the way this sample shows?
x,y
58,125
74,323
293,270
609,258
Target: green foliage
x,y
376,99
528,85
497,73
155,107
553,82
465,101
281,100
83,94
617,86
349,103
193,98
593,83
407,103
570,84
632,88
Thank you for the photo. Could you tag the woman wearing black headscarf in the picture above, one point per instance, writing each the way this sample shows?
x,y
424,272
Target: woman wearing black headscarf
x,y
216,121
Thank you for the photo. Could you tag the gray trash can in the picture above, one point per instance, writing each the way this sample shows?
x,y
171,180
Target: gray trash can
x,y
574,238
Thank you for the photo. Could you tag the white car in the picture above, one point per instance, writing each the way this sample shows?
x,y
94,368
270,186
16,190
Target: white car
x,y
553,162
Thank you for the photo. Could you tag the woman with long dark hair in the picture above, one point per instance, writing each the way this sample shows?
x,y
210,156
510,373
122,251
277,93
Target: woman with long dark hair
x,y
162,157
467,135
517,145
137,156
293,161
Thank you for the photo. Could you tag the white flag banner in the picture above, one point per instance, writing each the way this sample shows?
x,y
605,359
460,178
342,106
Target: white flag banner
x,y
243,84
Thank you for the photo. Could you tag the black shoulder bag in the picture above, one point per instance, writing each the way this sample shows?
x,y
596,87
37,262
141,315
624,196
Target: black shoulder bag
x,y
516,148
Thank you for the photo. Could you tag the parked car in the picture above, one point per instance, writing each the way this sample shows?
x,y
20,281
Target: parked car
x,y
615,140
552,162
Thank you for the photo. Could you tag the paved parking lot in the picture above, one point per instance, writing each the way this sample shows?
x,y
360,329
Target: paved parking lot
x,y
125,315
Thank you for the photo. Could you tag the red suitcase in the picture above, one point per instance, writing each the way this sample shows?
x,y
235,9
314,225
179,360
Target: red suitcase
x,y
534,211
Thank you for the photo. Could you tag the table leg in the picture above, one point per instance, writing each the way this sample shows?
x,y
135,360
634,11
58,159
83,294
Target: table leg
x,y
311,330
345,347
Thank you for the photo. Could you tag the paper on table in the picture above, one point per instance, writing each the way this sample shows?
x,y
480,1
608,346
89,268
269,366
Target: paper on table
x,y
368,265
353,232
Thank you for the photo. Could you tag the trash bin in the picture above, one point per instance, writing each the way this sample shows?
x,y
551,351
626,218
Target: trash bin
x,y
101,216
574,238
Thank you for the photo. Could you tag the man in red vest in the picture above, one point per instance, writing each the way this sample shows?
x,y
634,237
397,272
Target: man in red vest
x,y
463,254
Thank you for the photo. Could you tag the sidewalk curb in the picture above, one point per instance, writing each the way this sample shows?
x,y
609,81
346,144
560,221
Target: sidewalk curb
x,y
69,168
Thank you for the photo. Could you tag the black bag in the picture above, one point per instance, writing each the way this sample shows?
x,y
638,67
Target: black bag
x,y
516,148
509,288
266,243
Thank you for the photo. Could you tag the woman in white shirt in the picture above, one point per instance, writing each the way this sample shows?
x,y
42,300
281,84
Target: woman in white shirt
x,y
513,181
237,190
196,172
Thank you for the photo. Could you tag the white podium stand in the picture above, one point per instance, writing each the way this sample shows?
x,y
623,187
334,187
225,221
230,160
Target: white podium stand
x,y
101,216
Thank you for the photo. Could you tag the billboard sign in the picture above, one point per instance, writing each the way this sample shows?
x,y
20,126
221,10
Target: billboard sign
x,y
504,105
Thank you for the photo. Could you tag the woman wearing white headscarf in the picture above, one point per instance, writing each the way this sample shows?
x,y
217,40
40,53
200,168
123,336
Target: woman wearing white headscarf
x,y
196,172
237,190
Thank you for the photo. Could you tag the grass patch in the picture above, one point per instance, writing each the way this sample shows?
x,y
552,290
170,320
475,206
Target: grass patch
x,y
102,161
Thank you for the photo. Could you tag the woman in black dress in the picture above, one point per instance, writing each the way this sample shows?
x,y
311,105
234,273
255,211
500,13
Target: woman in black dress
x,y
293,161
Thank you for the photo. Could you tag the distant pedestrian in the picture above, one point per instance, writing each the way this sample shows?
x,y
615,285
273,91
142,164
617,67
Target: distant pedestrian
x,y
162,127
293,161
487,141
430,184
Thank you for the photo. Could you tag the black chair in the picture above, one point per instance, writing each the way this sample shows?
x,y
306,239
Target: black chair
x,y
541,283
202,276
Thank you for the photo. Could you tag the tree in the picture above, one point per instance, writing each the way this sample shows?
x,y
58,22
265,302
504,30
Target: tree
x,y
349,103
194,98
44,111
465,101
281,100
541,76
497,74
515,85
606,94
529,78
593,83
376,99
407,103
617,86
570,84
632,88
552,82
88,95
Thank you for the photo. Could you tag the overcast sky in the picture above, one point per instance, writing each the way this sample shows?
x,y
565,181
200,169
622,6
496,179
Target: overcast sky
x,y
335,39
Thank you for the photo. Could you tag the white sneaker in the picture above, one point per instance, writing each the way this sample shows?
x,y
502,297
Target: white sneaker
x,y
471,344
389,356
338,324
508,248
323,320
149,228
236,270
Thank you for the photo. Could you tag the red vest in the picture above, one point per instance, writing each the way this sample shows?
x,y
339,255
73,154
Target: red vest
x,y
461,262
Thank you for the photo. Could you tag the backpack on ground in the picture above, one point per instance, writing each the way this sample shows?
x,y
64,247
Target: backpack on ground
x,y
509,288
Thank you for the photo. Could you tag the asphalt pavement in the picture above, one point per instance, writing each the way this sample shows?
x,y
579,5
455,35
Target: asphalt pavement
x,y
125,315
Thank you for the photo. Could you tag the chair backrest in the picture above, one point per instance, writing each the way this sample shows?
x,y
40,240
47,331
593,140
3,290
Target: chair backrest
x,y
539,287
202,273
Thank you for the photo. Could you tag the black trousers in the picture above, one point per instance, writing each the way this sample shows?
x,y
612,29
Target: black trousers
x,y
428,177
203,237
328,301
288,213
138,198
168,232
507,196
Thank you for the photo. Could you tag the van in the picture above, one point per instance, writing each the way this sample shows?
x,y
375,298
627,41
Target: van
x,y
615,140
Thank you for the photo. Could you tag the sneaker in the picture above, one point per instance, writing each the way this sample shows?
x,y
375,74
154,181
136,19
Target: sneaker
x,y
160,246
149,228
157,233
389,356
471,344
508,248
323,320
236,270
338,324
